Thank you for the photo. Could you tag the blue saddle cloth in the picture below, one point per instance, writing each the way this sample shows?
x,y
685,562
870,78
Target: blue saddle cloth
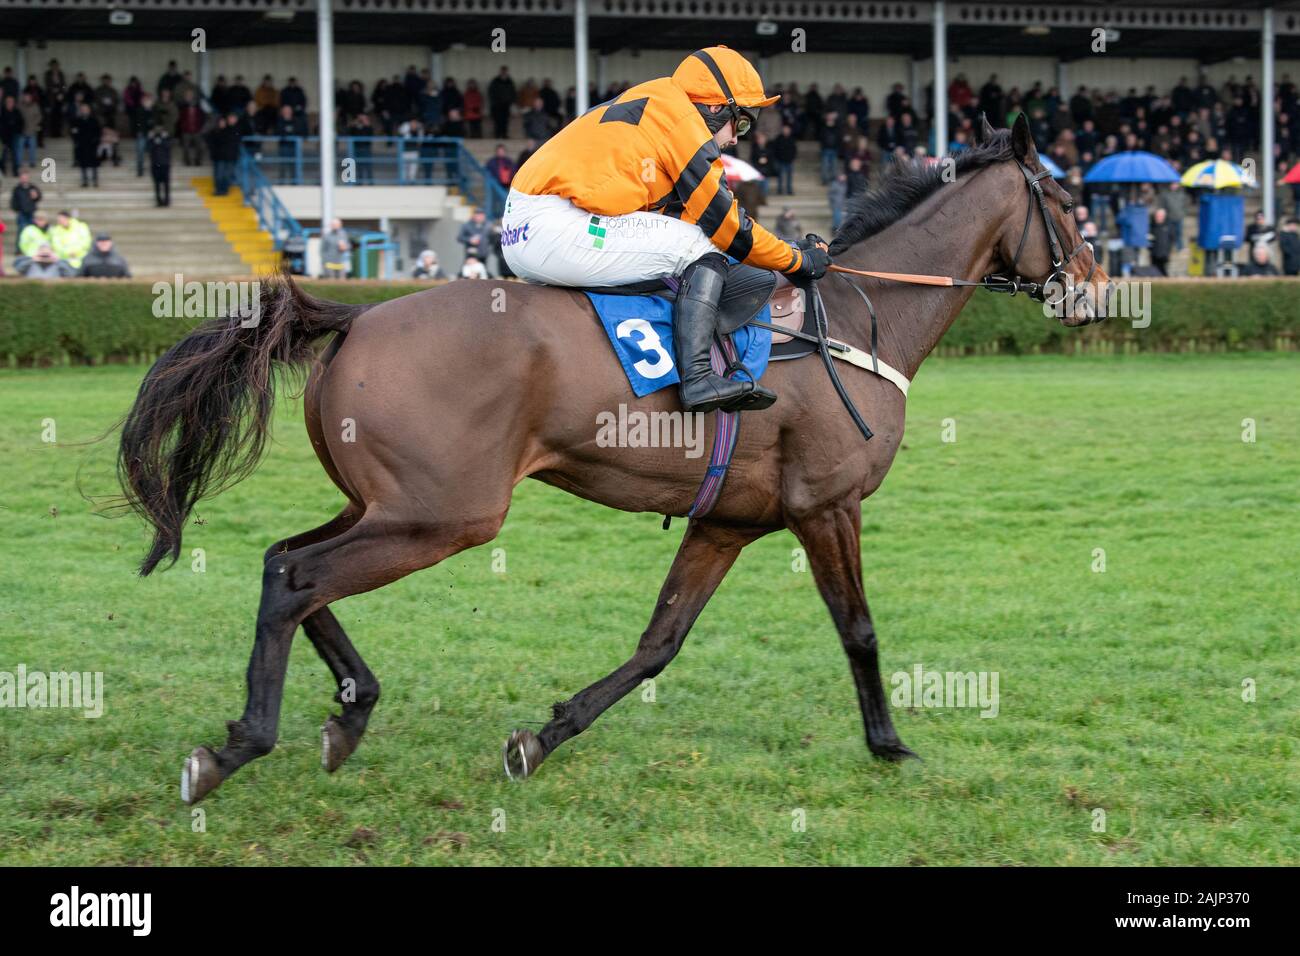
x,y
640,327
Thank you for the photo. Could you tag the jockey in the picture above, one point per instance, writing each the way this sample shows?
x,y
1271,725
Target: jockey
x,y
633,190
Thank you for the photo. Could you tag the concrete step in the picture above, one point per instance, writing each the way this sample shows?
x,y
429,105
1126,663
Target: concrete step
x,y
765,214
159,239
178,245
797,200
128,195
139,214
183,267
124,199
156,241
178,263
135,216
243,272
142,258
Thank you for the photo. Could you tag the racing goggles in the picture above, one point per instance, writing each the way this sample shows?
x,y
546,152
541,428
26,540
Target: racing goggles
x,y
742,118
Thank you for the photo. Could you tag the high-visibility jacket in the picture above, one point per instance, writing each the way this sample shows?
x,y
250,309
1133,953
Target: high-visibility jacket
x,y
71,242
649,149
32,238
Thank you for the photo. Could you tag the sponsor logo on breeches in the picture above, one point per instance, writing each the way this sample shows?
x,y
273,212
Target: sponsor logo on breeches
x,y
510,236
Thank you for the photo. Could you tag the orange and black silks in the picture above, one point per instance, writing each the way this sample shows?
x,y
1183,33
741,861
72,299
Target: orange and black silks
x,y
649,149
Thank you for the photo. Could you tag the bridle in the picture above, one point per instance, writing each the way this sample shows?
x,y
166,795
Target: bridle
x,y
996,282
1056,249
993,282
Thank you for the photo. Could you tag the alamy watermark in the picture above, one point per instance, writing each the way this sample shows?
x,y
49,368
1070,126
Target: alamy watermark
x,y
38,690
946,689
638,429
133,911
212,299
1118,299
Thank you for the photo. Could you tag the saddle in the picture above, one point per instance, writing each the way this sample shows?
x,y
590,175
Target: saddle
x,y
746,291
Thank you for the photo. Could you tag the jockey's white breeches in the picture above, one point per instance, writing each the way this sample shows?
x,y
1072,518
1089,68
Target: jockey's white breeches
x,y
548,239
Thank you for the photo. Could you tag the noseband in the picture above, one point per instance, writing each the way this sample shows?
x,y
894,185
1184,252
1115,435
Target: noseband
x,y
1056,249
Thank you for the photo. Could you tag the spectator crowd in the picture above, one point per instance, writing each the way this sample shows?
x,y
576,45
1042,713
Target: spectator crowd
x,y
64,247
1186,125
851,143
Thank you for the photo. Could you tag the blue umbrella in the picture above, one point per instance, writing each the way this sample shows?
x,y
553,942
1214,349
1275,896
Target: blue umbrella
x,y
1135,166
1056,171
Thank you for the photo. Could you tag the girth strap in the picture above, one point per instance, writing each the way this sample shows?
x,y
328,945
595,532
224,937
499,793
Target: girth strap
x,y
723,359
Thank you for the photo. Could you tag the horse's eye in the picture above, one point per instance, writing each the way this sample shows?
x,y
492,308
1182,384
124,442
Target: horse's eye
x,y
1068,207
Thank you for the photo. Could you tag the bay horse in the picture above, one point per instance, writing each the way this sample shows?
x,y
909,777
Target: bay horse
x,y
459,392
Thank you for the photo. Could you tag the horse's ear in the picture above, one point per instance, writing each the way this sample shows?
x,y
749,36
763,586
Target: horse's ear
x,y
983,129
1021,142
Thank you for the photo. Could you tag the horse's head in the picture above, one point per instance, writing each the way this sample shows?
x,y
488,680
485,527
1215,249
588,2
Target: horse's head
x,y
1040,240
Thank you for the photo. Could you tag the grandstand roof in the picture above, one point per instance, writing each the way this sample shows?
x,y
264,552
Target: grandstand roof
x,y
1208,31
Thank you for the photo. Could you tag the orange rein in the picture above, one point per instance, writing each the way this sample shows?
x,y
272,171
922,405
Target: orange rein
x,y
898,276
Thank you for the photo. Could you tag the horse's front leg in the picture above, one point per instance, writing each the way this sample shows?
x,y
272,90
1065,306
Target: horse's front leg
x,y
831,539
706,553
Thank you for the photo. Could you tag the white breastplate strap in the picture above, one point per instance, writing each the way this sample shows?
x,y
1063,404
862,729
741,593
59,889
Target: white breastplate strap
x,y
847,353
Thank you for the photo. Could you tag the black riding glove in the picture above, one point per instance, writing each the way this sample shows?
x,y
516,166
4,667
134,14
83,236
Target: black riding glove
x,y
816,261
810,240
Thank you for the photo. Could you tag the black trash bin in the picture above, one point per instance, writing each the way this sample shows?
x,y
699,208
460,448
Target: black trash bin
x,y
294,255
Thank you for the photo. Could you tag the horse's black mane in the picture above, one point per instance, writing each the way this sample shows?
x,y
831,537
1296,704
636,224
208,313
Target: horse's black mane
x,y
898,194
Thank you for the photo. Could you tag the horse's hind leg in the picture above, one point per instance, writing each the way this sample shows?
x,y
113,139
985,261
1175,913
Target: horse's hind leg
x,y
832,540
300,582
706,554
358,688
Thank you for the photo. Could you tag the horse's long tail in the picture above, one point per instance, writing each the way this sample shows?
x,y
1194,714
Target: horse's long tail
x,y
200,420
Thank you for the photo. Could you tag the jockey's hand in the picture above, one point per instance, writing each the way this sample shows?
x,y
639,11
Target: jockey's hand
x,y
810,240
816,260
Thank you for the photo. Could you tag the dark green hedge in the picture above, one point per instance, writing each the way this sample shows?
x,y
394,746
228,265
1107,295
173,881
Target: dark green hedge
x,y
99,320
96,320
1192,314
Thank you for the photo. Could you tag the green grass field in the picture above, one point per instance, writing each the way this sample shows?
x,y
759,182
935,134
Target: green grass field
x,y
1120,691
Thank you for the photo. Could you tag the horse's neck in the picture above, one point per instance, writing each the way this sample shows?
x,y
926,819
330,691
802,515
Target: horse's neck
x,y
952,233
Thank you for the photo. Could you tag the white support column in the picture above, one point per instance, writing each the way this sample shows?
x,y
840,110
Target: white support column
x,y
1062,80
205,73
386,263
940,80
914,87
580,55
325,60
20,63
437,70
1267,171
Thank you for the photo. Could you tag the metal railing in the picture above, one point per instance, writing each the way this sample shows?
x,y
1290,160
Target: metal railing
x,y
272,215
285,230
380,161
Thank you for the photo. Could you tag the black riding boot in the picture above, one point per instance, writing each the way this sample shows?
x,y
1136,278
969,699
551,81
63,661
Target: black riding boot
x,y
695,318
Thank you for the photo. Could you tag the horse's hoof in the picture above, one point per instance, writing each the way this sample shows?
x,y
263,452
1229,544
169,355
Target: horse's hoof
x,y
201,775
521,754
336,744
893,751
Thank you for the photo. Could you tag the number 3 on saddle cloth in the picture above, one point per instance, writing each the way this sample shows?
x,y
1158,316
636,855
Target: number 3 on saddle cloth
x,y
638,319
640,327
639,322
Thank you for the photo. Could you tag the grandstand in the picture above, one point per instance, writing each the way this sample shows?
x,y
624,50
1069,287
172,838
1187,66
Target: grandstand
x,y
587,49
